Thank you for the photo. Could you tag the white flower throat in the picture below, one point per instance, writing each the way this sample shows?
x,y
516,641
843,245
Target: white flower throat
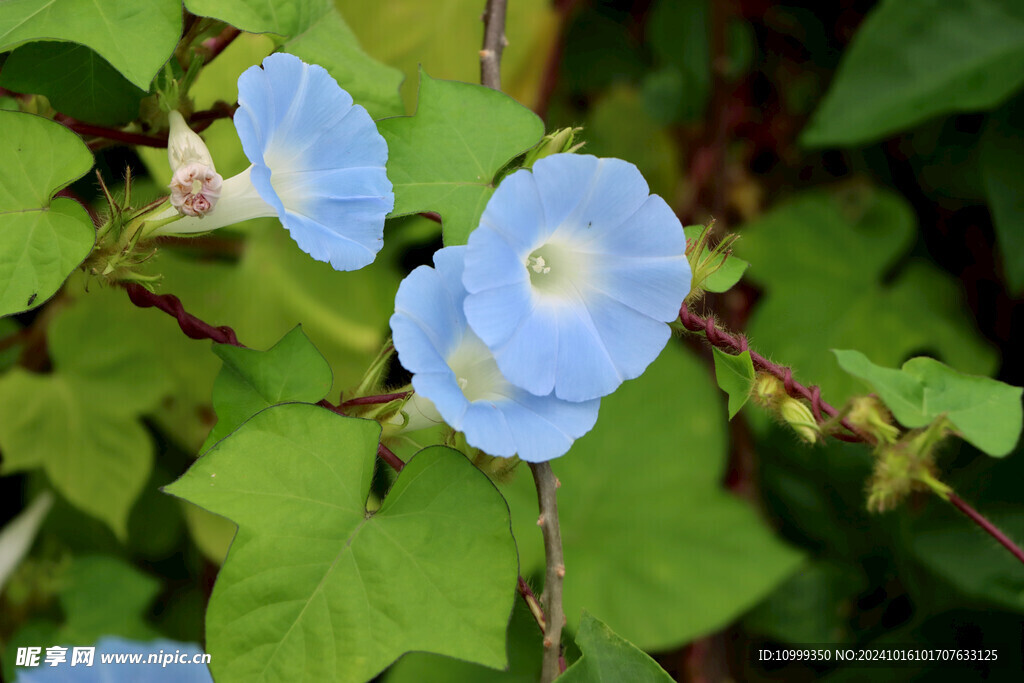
x,y
557,269
477,372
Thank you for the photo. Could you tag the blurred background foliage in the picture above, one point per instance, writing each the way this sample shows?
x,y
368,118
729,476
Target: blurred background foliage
x,y
869,154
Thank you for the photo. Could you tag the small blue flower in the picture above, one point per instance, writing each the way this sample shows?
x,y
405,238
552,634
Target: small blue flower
x,y
454,370
573,274
318,164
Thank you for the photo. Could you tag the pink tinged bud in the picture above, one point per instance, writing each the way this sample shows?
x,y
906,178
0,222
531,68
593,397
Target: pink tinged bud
x,y
195,189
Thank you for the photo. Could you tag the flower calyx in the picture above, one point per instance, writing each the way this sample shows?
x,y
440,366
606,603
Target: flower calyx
x,y
706,259
770,392
906,466
562,141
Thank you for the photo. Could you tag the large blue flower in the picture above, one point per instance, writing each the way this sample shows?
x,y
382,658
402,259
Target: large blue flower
x,y
573,274
317,164
454,370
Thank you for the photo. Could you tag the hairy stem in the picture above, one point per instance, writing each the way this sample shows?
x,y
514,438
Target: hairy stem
x,y
722,339
989,528
547,485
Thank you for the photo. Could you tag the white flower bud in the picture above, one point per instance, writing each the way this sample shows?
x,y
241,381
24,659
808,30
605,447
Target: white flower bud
x,y
184,146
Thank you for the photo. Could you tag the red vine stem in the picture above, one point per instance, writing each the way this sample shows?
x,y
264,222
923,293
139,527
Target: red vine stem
x,y
375,400
718,337
990,528
721,339
195,328
200,121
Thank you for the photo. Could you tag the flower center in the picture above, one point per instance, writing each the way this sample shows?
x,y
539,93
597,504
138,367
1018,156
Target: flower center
x,y
476,371
556,269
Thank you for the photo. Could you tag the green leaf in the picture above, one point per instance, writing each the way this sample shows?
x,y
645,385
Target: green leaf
x,y
445,158
910,61
986,412
80,422
679,565
432,569
135,36
735,375
250,380
76,80
94,610
610,658
1002,148
318,34
525,648
41,239
826,262
730,272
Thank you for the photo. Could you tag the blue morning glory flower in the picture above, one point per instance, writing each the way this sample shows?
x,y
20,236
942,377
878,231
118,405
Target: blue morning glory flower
x,y
455,371
573,274
318,164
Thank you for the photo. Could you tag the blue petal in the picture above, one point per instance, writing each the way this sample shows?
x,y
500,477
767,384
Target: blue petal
x,y
653,286
585,367
545,428
632,339
426,328
496,314
317,159
529,359
493,261
516,214
613,192
582,339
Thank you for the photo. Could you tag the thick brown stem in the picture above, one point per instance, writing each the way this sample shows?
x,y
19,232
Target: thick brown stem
x,y
494,43
547,485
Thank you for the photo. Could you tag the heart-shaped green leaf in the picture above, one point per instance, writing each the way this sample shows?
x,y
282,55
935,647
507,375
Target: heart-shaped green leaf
x,y
445,158
41,239
250,380
319,586
985,411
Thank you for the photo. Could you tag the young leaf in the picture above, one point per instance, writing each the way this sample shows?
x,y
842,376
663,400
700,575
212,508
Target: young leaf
x,y
135,36
445,158
735,374
41,239
251,380
76,80
432,569
608,658
910,61
985,411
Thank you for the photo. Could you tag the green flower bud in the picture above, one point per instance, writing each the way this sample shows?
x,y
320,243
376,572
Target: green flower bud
x,y
870,415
